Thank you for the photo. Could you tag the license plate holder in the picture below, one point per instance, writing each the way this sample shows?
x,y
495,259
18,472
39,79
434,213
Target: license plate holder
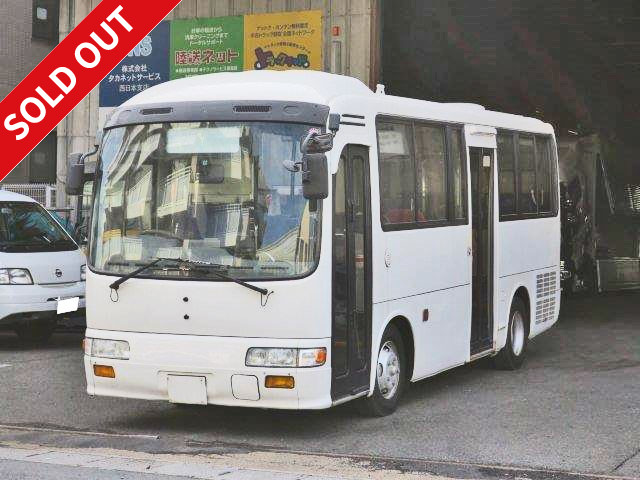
x,y
67,305
188,389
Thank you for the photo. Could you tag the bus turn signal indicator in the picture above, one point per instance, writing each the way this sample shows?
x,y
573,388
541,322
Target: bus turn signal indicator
x,y
278,381
104,371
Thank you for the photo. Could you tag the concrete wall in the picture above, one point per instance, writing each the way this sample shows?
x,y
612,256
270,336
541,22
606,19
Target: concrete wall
x,y
348,54
19,54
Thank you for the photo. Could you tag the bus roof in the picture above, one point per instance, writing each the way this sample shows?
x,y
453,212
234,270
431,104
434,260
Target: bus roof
x,y
326,89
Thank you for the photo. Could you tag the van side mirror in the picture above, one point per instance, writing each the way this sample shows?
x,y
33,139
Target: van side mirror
x,y
315,176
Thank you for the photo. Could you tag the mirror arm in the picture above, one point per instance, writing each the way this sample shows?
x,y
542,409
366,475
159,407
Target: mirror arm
x,y
95,150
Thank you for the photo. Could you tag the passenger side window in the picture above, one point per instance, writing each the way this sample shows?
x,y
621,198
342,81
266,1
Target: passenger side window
x,y
545,181
397,173
506,174
527,176
431,173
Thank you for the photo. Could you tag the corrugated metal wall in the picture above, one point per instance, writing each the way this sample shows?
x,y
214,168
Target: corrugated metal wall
x,y
349,53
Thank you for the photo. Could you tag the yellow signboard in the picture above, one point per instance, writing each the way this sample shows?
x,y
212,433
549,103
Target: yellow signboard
x,y
283,41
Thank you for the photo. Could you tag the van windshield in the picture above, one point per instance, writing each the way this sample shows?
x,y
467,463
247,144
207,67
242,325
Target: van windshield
x,y
208,192
27,227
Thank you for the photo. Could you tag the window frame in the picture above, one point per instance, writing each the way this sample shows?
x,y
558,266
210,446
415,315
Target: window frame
x,y
553,175
448,128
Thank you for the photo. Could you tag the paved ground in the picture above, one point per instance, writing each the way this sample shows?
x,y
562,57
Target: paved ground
x,y
574,407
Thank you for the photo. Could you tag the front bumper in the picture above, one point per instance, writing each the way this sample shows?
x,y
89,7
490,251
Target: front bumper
x,y
153,357
31,302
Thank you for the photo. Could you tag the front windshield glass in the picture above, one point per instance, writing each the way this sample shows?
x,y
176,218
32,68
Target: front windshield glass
x,y
211,192
27,227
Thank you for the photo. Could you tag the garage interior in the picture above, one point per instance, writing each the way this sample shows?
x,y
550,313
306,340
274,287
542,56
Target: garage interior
x,y
574,64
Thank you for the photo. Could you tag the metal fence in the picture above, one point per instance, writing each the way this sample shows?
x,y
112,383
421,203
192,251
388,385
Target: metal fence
x,y
41,192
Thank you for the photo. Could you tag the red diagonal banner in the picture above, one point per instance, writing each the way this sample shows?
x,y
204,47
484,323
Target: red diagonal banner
x,y
71,71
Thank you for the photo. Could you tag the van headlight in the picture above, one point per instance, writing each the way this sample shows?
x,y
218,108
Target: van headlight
x,y
83,273
99,347
15,276
286,357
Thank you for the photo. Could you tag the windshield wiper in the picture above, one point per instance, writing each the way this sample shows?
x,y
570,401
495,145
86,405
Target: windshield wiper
x,y
215,268
212,268
115,285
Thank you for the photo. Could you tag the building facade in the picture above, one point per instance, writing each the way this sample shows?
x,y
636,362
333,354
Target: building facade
x,y
28,32
349,29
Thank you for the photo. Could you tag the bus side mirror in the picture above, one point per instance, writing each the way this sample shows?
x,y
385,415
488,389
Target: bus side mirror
x,y
315,176
316,142
75,174
78,173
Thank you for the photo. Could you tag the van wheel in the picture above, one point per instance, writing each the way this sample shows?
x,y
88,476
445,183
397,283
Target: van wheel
x,y
512,355
391,376
36,332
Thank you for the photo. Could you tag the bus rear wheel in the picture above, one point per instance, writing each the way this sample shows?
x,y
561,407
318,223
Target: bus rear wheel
x,y
513,353
391,376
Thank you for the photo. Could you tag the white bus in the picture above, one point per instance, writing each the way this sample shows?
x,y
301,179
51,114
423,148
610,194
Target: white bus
x,y
228,267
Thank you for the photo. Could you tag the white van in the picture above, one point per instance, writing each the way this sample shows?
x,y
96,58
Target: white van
x,y
42,270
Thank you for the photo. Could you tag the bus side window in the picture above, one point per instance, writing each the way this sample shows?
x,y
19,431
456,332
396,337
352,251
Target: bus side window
x,y
506,174
397,173
431,168
527,176
458,171
543,161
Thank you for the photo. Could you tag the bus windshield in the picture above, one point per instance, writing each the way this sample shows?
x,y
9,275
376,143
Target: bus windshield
x,y
211,192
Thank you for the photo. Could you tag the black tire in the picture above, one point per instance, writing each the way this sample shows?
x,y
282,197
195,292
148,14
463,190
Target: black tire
x,y
36,332
380,404
510,357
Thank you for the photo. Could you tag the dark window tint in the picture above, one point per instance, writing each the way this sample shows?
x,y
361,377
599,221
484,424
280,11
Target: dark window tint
x,y
527,175
431,173
45,20
506,174
26,226
340,275
544,177
459,180
397,173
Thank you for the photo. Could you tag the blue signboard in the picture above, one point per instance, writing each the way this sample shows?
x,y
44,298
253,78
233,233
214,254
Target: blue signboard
x,y
147,65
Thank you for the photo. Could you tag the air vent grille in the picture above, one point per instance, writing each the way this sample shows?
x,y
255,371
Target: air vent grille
x,y
157,111
546,286
252,108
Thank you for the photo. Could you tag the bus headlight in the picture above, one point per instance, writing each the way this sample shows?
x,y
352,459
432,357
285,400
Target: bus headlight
x,y
15,276
83,273
102,348
285,357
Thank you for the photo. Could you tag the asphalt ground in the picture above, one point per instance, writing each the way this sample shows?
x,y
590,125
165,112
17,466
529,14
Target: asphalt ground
x,y
574,407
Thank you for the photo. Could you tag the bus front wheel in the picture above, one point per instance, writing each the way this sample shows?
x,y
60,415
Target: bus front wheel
x,y
391,376
513,353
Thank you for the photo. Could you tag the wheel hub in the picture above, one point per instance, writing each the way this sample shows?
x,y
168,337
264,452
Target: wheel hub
x,y
517,333
388,370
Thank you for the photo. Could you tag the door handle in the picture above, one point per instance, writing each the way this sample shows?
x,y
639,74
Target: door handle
x,y
469,251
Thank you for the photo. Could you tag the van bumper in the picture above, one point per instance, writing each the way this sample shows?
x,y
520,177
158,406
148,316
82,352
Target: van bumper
x,y
220,360
20,303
